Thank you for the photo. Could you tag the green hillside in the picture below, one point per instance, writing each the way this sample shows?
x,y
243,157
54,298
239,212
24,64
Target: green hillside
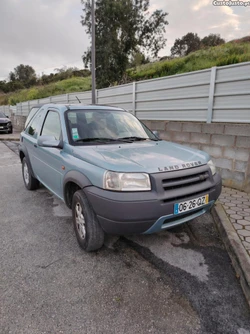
x,y
226,54
38,92
229,53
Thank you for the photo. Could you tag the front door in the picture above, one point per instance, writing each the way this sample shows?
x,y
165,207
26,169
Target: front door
x,y
49,161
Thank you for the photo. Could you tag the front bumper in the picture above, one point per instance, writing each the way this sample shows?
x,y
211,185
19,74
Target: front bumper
x,y
144,212
5,128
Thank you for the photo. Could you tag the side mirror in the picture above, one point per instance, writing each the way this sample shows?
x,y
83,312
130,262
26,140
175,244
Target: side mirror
x,y
7,116
156,133
49,141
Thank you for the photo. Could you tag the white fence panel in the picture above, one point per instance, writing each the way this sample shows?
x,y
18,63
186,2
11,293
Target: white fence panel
x,y
6,110
59,99
232,94
45,100
120,96
219,94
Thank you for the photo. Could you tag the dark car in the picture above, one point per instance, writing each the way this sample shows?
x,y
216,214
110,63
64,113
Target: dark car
x,y
5,124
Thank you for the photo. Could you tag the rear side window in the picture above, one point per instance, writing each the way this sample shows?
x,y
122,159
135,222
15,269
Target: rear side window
x,y
34,126
30,116
52,125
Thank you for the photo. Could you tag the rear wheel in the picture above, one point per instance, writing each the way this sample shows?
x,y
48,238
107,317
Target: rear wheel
x,y
30,182
89,234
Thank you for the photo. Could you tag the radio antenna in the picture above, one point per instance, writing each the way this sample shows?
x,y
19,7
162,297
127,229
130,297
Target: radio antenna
x,y
78,99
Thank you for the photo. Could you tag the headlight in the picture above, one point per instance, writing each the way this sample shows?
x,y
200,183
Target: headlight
x,y
9,124
212,166
126,181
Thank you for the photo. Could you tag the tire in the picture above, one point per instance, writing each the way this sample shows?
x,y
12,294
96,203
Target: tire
x,y
30,182
89,234
11,131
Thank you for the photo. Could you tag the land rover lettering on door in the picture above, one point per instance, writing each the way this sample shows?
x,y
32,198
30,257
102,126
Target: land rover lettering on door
x,y
113,172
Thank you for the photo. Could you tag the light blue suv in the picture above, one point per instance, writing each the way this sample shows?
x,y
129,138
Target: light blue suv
x,y
114,173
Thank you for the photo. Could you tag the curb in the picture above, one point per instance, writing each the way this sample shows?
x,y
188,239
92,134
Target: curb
x,y
14,137
239,257
9,139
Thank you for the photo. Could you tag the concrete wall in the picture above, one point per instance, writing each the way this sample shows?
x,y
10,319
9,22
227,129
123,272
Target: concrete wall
x,y
228,145
18,122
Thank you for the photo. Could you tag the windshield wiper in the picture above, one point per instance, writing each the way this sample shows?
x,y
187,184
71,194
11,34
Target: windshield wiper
x,y
104,140
85,140
134,138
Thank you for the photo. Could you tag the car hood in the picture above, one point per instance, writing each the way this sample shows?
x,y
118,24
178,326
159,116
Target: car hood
x,y
4,120
149,157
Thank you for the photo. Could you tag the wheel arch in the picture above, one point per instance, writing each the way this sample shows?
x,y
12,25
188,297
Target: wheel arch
x,y
23,153
72,182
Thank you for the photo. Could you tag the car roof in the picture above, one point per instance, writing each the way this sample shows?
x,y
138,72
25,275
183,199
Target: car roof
x,y
78,106
37,105
93,106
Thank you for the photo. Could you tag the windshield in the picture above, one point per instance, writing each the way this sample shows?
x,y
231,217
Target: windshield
x,y
2,115
105,126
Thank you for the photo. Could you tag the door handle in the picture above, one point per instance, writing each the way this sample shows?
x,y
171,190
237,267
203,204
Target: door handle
x,y
35,145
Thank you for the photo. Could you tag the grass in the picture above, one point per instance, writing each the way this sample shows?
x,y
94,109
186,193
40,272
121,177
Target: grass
x,y
226,54
4,99
57,88
230,53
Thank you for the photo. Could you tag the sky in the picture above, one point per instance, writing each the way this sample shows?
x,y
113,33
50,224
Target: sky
x,y
47,34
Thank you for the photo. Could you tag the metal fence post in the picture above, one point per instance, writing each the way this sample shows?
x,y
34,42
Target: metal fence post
x,y
133,98
96,96
211,95
67,98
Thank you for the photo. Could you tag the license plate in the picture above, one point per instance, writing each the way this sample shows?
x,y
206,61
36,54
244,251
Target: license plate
x,y
1,127
191,204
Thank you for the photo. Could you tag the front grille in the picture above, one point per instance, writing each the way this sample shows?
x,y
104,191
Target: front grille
x,y
3,126
183,184
184,181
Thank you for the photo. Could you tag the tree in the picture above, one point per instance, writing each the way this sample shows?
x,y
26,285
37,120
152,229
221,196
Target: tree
x,y
212,40
122,28
179,48
25,74
12,76
3,87
138,58
183,46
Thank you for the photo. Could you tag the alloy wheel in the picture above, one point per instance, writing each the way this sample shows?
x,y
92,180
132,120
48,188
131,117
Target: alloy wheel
x,y
80,221
26,174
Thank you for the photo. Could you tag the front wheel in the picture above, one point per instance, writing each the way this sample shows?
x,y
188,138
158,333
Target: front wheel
x,y
30,182
89,234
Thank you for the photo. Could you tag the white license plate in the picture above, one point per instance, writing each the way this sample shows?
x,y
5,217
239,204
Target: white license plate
x,y
191,204
1,127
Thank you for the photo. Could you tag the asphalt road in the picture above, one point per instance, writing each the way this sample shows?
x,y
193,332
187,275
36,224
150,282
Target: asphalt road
x,y
180,281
